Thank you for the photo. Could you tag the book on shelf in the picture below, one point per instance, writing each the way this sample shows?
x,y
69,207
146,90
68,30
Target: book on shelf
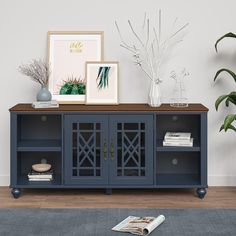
x,y
179,143
177,136
46,104
139,225
40,176
182,139
35,179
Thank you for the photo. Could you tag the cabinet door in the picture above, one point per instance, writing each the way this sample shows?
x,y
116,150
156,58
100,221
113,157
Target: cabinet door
x,y
131,150
85,151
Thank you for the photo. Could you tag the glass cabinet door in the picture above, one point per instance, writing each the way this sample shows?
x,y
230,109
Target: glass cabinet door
x,y
85,151
131,149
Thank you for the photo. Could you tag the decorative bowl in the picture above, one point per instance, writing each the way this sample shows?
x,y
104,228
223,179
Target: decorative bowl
x,y
41,167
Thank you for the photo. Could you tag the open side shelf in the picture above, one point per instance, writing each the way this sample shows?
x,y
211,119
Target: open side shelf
x,y
178,169
26,159
178,180
24,182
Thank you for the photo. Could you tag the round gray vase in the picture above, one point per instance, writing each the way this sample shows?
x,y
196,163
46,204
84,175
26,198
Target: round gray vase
x,y
44,95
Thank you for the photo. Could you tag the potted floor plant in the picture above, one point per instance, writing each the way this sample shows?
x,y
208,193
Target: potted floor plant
x,y
227,98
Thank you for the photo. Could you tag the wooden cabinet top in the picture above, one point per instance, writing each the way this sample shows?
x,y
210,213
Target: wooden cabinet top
x,y
125,107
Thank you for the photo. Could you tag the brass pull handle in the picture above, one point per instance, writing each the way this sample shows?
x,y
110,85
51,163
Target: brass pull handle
x,y
112,151
105,151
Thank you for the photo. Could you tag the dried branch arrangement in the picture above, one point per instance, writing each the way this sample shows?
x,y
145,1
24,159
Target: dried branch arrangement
x,y
148,52
37,70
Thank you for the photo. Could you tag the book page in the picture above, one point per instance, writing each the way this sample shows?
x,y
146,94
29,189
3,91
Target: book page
x,y
139,225
155,223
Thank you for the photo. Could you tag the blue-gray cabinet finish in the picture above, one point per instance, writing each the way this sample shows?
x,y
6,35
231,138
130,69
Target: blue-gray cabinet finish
x,y
86,151
122,156
131,150
109,146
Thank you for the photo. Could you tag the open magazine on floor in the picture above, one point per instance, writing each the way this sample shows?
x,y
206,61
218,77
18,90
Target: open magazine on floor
x,y
139,225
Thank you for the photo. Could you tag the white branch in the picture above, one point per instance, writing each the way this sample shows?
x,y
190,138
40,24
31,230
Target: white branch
x,y
147,33
159,29
135,34
147,52
144,20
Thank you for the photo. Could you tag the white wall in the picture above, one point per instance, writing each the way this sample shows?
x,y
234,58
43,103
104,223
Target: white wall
x,y
24,24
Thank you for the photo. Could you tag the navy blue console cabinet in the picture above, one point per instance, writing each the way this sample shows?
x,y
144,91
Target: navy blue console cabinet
x,y
109,146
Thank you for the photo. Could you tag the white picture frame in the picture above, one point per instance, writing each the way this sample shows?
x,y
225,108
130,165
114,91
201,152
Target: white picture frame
x,y
102,83
67,56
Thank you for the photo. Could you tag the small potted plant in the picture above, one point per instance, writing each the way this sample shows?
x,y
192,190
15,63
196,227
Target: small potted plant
x,y
39,72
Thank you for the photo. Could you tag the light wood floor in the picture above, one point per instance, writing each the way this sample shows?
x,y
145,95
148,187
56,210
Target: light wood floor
x,y
217,197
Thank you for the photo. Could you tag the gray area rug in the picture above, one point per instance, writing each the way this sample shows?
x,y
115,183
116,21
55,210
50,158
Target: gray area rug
x,y
94,222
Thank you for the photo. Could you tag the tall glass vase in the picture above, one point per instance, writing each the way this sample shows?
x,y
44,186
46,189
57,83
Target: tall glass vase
x,y
179,94
154,98
179,97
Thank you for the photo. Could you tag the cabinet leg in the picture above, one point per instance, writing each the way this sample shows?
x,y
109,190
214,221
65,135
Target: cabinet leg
x,y
16,192
201,192
108,191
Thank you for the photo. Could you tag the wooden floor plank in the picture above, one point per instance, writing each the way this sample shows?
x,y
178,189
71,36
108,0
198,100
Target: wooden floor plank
x,y
217,197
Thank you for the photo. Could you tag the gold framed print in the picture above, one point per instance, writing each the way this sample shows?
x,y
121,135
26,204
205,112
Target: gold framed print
x,y
67,56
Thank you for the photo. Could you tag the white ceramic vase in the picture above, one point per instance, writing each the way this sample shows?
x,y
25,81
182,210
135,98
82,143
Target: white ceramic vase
x,y
154,98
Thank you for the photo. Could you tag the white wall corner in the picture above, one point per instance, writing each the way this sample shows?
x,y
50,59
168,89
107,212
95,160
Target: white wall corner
x,y
222,180
4,180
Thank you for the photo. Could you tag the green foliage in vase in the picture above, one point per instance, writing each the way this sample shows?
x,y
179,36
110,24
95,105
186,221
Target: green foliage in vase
x,y
72,86
227,98
103,77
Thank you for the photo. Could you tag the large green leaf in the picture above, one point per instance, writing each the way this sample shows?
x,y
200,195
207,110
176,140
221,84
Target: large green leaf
x,y
225,70
232,127
228,121
232,96
229,98
219,100
228,35
229,127
221,127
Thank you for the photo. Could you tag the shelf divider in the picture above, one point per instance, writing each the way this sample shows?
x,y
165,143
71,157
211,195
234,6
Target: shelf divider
x,y
39,145
161,148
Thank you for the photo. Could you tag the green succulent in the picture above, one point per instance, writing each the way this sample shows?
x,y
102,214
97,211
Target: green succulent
x,y
228,98
73,86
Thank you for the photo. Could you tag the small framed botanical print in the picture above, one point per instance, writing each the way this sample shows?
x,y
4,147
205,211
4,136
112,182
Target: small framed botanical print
x,y
102,83
67,55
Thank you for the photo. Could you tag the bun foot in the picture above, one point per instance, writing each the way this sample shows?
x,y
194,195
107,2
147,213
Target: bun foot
x,y
201,192
16,192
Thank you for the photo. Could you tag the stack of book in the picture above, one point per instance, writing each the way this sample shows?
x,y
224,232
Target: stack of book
x,y
49,104
178,139
40,176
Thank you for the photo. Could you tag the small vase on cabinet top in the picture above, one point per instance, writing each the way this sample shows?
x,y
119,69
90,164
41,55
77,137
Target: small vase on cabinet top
x,y
44,94
154,98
